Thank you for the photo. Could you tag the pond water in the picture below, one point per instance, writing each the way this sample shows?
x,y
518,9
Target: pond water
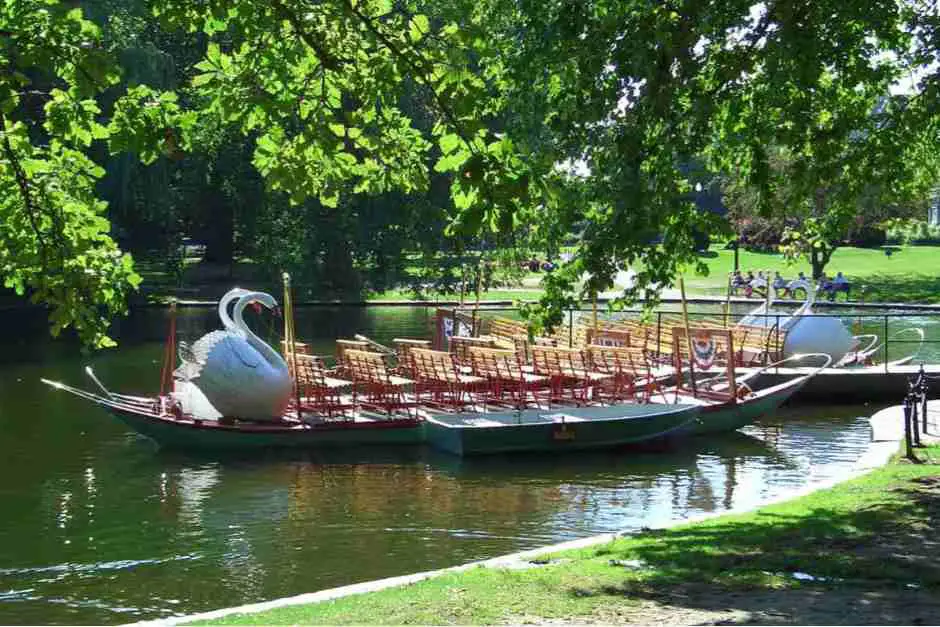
x,y
101,527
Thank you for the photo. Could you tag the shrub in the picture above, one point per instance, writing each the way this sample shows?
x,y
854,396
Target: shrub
x,y
758,234
912,232
868,237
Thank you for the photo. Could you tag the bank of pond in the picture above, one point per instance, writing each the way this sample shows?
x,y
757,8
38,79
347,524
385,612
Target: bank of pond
x,y
104,527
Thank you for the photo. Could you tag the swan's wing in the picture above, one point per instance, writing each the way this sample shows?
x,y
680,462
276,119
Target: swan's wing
x,y
243,351
195,356
189,369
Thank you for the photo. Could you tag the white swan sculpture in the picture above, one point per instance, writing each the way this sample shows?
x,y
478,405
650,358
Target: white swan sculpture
x,y
239,375
191,399
806,333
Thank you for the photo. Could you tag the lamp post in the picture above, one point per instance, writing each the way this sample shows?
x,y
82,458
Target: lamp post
x,y
734,245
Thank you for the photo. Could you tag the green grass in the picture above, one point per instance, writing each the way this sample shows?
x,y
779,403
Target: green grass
x,y
512,295
909,274
866,541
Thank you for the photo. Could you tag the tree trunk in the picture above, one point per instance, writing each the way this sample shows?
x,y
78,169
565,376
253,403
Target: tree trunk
x,y
818,258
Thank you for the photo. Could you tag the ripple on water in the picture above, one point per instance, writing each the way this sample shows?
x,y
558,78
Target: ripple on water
x,y
220,532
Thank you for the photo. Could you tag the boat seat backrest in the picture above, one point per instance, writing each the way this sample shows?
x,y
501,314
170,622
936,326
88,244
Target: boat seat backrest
x,y
299,348
434,366
461,345
404,346
559,362
343,345
366,366
619,360
495,363
519,343
310,370
505,327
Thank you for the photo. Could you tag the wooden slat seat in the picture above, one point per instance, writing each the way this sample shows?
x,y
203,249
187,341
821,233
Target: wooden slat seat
x,y
319,392
568,369
460,346
379,386
341,347
632,376
403,347
504,372
438,374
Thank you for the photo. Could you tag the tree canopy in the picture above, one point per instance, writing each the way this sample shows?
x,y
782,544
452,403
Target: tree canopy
x,y
543,118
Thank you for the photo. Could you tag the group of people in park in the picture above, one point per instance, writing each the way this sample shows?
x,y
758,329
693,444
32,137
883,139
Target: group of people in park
x,y
751,285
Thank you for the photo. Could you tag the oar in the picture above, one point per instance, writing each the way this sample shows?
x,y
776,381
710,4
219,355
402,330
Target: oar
x,y
374,344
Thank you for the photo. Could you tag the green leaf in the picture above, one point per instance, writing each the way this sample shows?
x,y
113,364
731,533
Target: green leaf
x,y
449,143
418,27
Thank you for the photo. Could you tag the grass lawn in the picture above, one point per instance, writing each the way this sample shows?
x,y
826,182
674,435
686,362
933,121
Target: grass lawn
x,y
511,295
861,552
908,274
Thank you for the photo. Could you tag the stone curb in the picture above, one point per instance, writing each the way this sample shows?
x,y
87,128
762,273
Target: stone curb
x,y
887,432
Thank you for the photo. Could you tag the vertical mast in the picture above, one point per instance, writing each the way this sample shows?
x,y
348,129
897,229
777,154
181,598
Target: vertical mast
x,y
688,336
290,342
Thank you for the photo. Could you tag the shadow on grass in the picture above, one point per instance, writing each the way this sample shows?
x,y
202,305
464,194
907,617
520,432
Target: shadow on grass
x,y
912,288
875,564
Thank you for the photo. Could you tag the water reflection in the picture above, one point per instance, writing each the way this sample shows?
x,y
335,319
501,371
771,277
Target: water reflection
x,y
101,527
142,533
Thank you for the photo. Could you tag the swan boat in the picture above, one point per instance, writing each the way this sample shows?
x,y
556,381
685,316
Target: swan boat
x,y
803,331
233,391
230,393
707,408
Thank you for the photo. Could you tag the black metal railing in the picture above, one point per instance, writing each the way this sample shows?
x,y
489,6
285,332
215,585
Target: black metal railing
x,y
916,413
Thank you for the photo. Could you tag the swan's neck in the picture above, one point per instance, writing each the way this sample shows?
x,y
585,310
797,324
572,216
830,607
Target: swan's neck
x,y
227,323
271,355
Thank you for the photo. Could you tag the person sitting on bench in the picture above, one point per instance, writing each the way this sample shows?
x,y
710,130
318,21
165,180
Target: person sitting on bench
x,y
780,286
839,284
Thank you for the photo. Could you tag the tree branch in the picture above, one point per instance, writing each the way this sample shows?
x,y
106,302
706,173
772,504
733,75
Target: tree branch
x,y
22,182
327,59
420,73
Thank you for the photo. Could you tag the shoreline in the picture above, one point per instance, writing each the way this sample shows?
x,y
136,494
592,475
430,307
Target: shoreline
x,y
497,303
887,433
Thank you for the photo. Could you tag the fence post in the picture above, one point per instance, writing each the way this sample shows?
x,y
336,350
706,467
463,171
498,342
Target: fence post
x,y
914,426
908,449
922,388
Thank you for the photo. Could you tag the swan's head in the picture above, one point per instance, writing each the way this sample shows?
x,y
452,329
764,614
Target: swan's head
x,y
259,297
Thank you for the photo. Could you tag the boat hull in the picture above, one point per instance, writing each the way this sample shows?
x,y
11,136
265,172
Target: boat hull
x,y
560,430
727,417
210,435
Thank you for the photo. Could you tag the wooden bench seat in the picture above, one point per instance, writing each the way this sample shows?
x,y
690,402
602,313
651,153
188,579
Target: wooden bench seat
x,y
320,392
379,387
501,368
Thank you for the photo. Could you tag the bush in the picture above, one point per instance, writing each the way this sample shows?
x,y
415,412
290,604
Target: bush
x,y
868,237
758,234
912,232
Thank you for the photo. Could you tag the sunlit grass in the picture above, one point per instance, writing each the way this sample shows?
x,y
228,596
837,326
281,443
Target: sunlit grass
x,y
865,535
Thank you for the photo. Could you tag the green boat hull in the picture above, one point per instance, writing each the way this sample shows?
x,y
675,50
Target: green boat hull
x,y
552,431
208,435
727,417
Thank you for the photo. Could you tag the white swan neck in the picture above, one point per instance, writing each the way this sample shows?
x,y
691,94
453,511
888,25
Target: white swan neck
x,y
272,356
227,323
